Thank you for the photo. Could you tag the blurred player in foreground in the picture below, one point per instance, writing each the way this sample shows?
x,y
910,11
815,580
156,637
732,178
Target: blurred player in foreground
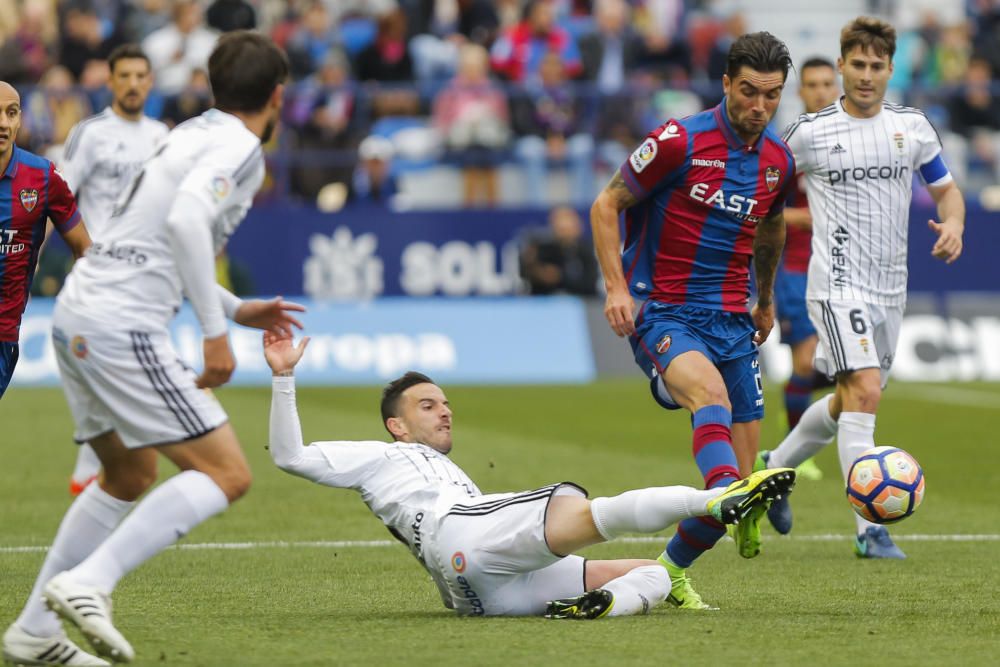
x,y
703,197
102,155
502,554
859,158
129,394
31,192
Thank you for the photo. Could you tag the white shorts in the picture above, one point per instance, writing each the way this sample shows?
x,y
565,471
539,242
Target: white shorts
x,y
131,382
492,552
854,335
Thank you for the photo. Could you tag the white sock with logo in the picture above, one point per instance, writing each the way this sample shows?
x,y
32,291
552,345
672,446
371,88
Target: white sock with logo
x,y
814,431
639,590
88,522
648,510
163,517
855,434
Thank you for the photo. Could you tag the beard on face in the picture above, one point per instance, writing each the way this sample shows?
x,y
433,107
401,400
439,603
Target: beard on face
x,y
268,130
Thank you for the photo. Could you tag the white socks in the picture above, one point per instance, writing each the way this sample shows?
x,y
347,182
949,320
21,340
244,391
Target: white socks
x,y
88,522
814,431
163,517
639,591
855,434
87,464
648,510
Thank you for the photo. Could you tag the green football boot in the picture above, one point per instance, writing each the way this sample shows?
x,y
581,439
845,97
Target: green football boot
x,y
741,498
682,594
589,606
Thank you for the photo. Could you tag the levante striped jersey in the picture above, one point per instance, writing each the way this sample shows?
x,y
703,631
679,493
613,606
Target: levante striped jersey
x,y
702,192
31,191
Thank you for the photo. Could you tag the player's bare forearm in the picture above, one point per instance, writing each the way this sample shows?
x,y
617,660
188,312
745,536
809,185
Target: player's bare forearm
x,y
767,247
950,205
77,239
613,199
799,217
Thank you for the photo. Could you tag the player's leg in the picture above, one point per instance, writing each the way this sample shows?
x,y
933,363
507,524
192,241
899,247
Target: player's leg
x,y
8,360
85,470
624,587
95,513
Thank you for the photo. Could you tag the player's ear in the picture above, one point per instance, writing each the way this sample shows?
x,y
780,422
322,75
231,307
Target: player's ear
x,y
726,83
277,96
396,427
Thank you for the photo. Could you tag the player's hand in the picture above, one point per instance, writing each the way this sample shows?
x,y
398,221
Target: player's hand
x,y
274,315
279,352
949,244
618,308
219,363
763,319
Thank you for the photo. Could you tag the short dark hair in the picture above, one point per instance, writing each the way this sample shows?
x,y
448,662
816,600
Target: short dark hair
x,y
244,69
394,390
127,52
816,61
761,51
868,33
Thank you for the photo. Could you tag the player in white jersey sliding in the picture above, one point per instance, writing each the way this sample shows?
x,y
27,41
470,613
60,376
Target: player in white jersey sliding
x,y
859,156
502,554
102,155
129,394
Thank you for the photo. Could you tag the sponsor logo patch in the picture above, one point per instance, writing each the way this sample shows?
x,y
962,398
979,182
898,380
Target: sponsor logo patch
x,y
458,562
669,132
221,187
664,344
29,198
78,346
898,138
771,176
643,155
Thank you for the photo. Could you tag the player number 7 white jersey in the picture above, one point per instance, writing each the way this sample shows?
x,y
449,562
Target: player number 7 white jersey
x,y
129,275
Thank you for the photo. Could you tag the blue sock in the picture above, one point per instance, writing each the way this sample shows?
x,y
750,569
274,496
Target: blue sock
x,y
798,397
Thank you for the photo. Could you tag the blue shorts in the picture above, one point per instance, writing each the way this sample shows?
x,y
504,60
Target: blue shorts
x,y
8,359
664,331
790,302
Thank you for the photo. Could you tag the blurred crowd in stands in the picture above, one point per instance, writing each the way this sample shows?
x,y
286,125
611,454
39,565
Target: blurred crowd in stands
x,y
383,88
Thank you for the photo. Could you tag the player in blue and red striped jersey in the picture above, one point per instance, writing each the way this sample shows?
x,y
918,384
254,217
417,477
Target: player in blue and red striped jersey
x,y
31,192
818,89
702,196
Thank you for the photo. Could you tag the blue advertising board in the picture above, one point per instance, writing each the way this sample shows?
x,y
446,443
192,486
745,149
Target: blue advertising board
x,y
369,251
455,341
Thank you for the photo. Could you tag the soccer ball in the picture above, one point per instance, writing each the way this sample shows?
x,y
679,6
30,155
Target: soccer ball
x,y
885,485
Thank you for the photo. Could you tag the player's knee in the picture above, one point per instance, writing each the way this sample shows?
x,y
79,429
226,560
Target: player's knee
x,y
714,393
235,482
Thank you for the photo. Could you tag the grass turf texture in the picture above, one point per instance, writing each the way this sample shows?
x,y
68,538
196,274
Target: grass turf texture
x,y
799,601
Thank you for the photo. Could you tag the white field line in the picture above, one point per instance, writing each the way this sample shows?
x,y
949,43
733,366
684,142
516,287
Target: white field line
x,y
375,544
949,395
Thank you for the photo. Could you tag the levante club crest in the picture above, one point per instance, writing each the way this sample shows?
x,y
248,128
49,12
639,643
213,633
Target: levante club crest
x,y
29,198
771,176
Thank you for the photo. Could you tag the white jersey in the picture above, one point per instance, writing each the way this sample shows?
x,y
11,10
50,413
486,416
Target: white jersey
x,y
129,276
407,485
859,177
102,155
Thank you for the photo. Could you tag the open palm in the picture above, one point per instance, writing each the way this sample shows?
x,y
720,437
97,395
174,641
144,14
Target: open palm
x,y
279,352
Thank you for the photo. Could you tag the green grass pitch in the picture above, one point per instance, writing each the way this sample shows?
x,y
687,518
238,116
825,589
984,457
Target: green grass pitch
x,y
802,601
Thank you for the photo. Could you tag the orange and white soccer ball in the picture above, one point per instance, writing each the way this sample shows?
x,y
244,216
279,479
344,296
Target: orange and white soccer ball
x,y
885,485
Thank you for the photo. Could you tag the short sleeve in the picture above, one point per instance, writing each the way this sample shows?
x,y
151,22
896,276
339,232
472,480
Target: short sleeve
x,y
928,160
657,159
77,160
789,189
61,203
796,136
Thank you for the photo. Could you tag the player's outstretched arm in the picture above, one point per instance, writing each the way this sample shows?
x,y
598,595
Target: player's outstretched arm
x,y
286,447
767,247
951,211
613,199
